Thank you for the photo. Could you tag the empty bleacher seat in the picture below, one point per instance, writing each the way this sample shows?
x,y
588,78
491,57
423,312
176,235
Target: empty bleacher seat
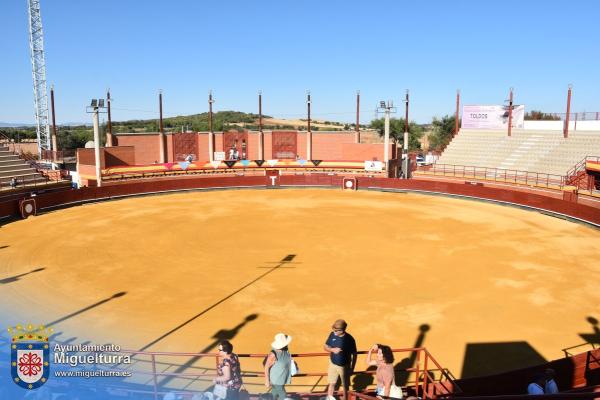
x,y
525,150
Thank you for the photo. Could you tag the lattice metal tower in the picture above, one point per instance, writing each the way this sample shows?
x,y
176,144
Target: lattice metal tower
x,y
38,65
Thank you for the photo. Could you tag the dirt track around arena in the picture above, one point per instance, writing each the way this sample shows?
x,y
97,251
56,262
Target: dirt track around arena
x,y
178,272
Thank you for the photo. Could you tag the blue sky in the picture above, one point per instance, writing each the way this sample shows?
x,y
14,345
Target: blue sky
x,y
283,48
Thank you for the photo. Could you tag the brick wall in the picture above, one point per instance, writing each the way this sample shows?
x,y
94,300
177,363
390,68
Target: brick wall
x,y
203,146
268,143
87,157
364,152
253,146
24,147
325,146
147,146
328,146
117,156
169,156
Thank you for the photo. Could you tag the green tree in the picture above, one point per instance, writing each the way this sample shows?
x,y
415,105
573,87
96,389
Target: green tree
x,y
415,131
540,116
442,132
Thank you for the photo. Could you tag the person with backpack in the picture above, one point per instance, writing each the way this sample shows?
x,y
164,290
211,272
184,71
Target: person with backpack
x,y
278,371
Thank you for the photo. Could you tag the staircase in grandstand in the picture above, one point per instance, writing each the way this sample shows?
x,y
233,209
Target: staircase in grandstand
x,y
578,175
19,170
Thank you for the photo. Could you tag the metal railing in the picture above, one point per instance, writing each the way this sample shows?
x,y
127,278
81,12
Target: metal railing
x,y
528,178
38,178
578,116
567,350
154,370
252,171
27,180
578,177
58,155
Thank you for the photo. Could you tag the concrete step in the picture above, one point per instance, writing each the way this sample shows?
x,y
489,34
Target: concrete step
x,y
18,172
22,181
13,165
8,157
19,163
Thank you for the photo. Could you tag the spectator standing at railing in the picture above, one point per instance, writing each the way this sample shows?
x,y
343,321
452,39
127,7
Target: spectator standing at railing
x,y
229,371
278,371
13,182
385,370
342,349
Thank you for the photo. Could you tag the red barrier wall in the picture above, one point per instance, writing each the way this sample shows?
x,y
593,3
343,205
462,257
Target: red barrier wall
x,y
571,373
125,188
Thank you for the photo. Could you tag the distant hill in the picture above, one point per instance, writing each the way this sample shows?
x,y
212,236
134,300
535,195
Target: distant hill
x,y
14,125
224,120
75,135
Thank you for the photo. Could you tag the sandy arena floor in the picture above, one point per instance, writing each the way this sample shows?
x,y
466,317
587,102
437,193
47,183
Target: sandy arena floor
x,y
498,287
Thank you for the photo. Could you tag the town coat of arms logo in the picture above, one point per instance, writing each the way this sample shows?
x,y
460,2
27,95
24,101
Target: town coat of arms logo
x,y
30,355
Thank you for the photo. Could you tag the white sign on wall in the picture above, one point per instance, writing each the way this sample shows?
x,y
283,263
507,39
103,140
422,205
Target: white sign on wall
x,y
219,156
491,117
375,166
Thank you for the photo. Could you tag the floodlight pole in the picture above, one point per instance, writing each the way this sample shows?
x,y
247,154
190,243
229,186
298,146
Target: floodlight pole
x,y
405,161
510,108
387,109
54,141
566,128
97,145
109,135
261,155
457,111
357,137
386,138
211,135
308,133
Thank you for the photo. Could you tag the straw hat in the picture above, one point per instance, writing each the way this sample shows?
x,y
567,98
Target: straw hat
x,y
281,340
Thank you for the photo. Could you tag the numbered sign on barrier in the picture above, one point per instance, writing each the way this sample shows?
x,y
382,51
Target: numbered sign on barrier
x,y
27,208
349,184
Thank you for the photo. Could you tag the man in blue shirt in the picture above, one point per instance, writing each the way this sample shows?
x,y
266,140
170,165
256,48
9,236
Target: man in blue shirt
x,y
342,349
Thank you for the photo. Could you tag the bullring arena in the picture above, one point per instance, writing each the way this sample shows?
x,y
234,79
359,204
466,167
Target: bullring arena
x,y
479,276
471,281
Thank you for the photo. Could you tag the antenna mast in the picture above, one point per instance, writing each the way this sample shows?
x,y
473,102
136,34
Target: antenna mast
x,y
38,68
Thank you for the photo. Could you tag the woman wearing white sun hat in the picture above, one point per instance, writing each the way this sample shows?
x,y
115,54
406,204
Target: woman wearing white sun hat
x,y
277,366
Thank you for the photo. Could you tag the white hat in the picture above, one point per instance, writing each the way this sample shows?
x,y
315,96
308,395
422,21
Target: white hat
x,y
281,340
